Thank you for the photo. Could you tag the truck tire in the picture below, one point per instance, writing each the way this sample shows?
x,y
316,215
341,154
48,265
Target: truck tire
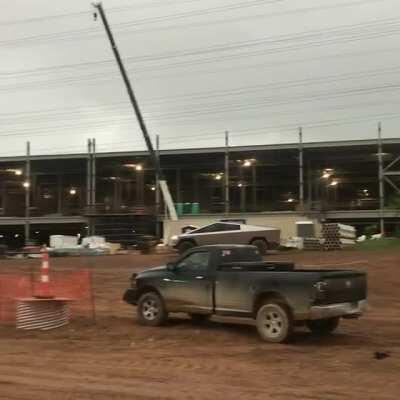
x,y
184,246
274,322
322,327
199,318
151,310
261,246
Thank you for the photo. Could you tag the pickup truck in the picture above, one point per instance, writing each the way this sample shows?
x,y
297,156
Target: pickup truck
x,y
234,281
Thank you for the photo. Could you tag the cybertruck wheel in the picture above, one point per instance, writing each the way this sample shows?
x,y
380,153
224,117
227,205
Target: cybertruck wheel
x,y
261,246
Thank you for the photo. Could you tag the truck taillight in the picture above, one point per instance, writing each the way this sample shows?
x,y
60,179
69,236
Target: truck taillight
x,y
320,289
320,286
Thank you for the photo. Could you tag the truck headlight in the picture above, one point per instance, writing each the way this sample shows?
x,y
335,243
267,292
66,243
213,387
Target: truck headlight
x,y
133,281
173,240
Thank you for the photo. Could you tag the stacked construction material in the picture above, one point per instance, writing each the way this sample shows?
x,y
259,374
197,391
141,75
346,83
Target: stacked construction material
x,y
312,243
336,236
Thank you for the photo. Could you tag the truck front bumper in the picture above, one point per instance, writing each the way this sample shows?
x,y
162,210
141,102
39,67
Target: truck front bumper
x,y
345,310
131,296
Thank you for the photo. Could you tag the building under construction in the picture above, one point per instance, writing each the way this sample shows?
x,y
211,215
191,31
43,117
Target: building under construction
x,y
116,194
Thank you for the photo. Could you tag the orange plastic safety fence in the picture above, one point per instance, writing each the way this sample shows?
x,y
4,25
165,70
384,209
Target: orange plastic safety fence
x,y
75,286
11,287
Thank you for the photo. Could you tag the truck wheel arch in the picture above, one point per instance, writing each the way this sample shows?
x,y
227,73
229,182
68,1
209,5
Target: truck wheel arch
x,y
269,297
183,241
147,289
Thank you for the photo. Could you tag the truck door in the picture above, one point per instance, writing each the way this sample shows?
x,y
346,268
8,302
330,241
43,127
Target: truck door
x,y
188,287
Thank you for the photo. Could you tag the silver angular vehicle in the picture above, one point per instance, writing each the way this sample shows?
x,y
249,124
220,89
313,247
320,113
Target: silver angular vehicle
x,y
262,237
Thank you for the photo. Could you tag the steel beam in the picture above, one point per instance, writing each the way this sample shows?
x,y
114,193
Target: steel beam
x,y
27,188
226,174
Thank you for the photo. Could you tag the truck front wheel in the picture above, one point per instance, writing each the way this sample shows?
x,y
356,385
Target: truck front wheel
x,y
274,322
322,327
151,310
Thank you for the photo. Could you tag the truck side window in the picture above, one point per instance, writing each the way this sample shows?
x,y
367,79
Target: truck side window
x,y
196,263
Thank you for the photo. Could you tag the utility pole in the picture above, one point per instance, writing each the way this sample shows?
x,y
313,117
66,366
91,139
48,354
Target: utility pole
x,y
226,175
301,170
163,184
27,188
381,182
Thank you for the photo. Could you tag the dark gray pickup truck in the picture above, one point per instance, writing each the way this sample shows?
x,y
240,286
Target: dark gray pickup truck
x,y
233,280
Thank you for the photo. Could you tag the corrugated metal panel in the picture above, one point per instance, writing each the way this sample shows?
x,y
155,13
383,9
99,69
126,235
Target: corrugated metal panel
x,y
43,315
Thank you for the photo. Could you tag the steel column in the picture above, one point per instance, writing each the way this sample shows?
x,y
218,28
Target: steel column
x,y
157,186
254,186
27,192
301,171
381,181
93,173
89,174
226,174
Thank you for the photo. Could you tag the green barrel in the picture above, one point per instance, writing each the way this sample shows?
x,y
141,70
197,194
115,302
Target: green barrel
x,y
187,208
195,208
179,208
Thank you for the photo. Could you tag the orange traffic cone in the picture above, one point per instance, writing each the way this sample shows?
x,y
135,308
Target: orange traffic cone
x,y
43,289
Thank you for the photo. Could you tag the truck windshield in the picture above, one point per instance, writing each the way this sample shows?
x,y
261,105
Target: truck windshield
x,y
240,254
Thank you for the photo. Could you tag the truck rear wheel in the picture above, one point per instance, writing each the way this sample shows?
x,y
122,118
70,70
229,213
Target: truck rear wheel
x,y
151,310
274,322
261,246
322,327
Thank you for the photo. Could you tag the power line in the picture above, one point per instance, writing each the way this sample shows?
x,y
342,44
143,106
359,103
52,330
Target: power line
x,y
366,34
256,16
239,90
192,98
89,11
87,31
190,115
278,129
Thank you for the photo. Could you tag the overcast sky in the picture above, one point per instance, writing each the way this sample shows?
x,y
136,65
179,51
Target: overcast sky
x,y
259,69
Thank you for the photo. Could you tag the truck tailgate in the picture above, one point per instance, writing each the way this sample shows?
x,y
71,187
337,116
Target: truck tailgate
x,y
344,286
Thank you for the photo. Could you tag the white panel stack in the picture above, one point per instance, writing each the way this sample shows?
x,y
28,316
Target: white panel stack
x,y
63,241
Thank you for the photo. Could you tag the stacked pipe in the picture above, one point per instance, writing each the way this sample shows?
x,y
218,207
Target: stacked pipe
x,y
311,243
336,236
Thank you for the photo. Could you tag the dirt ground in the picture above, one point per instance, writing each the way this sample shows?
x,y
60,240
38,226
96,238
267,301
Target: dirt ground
x,y
117,359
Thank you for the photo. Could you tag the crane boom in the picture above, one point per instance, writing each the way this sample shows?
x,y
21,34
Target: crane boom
x,y
162,181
